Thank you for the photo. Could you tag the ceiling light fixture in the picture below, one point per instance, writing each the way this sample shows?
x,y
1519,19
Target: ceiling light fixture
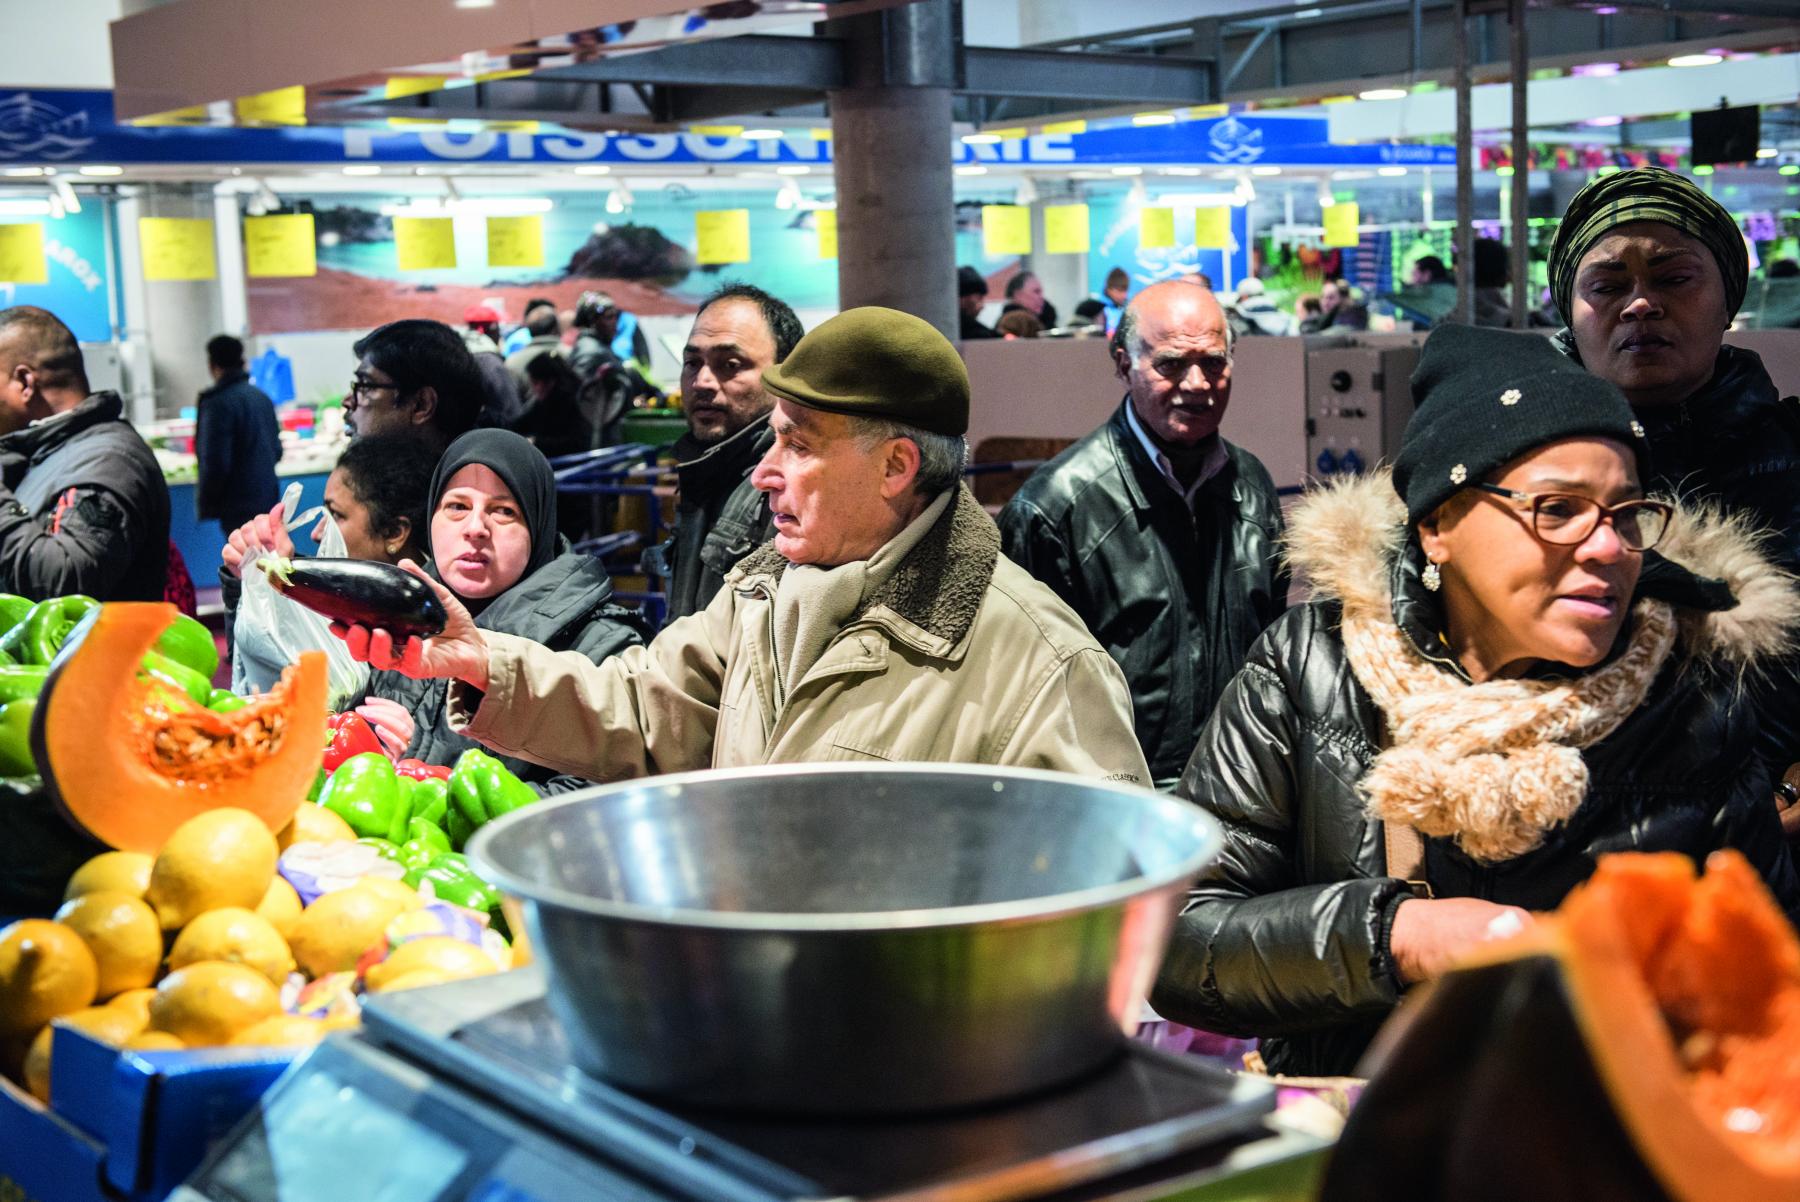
x,y
25,208
1027,193
760,135
1265,171
971,170
1181,171
794,169
619,199
789,197
362,169
1696,60
1604,121
1154,119
593,169
980,139
475,3
1390,172
26,172
1382,94
1326,199
1128,171
63,196
100,172
1767,152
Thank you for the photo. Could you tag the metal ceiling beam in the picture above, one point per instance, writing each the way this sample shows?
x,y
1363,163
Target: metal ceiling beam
x,y
1093,78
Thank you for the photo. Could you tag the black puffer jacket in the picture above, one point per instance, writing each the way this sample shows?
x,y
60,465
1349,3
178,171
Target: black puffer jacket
x,y
720,518
1175,598
565,605
1286,936
1736,443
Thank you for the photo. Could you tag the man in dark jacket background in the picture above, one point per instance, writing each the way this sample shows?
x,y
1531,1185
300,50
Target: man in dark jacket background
x,y
1155,529
738,332
236,439
83,506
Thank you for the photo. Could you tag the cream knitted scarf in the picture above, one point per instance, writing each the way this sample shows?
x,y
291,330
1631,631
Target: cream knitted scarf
x,y
1495,765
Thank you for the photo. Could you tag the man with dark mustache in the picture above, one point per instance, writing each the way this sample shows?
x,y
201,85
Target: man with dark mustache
x,y
1649,271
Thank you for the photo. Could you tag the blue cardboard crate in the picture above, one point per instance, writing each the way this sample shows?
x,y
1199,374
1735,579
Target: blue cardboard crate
x,y
44,1157
156,1114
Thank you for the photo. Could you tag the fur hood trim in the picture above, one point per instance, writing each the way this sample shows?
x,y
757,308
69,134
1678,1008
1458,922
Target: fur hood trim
x,y
1342,541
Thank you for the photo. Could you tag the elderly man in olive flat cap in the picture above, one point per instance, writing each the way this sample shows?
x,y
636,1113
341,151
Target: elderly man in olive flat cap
x,y
1649,271
880,623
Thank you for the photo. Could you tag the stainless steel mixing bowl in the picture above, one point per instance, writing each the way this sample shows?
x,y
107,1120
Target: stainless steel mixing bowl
x,y
831,939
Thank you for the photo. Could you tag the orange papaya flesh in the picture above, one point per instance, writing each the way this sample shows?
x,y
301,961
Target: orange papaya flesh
x,y
128,762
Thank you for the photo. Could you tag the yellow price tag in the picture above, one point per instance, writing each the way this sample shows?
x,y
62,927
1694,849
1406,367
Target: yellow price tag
x,y
1066,229
1066,127
282,106
425,243
1341,220
716,131
22,254
1005,230
722,236
177,248
825,221
280,246
515,241
412,85
1156,228
1212,228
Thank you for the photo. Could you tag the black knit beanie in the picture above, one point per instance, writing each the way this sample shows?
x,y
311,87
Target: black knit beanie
x,y
1485,397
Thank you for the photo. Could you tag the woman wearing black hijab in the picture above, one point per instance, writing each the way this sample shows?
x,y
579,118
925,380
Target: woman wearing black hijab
x,y
494,543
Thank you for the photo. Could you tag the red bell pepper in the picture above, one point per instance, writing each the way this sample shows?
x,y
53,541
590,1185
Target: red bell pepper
x,y
420,770
351,735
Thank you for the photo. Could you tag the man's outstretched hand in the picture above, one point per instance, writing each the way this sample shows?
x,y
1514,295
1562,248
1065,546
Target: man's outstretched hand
x,y
459,652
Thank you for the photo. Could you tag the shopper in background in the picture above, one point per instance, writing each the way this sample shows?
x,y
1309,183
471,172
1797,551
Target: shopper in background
x,y
237,441
1158,532
1494,684
1025,291
521,333
720,517
1338,310
1254,313
1428,270
494,545
546,339
594,358
83,505
1017,323
1493,271
971,297
501,403
1649,271
1116,294
416,378
881,623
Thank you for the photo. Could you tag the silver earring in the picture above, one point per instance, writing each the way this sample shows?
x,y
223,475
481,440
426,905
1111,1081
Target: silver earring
x,y
1432,578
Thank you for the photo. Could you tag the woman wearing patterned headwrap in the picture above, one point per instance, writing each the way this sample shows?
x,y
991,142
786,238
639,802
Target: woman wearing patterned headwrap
x,y
1649,272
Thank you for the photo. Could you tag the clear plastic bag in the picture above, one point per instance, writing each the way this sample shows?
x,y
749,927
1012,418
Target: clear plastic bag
x,y
270,631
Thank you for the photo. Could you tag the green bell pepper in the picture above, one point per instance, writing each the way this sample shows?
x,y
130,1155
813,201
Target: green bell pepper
x,y
19,681
482,789
452,880
178,677
365,793
318,785
384,848
431,800
224,701
13,609
191,645
418,830
15,740
457,827
49,623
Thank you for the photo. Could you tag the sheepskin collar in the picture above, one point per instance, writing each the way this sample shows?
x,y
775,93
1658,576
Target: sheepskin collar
x,y
1734,608
937,588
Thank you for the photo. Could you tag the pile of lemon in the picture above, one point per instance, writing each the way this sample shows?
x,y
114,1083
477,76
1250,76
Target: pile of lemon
x,y
191,947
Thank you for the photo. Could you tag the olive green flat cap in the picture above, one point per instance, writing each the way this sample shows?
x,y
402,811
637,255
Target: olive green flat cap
x,y
875,362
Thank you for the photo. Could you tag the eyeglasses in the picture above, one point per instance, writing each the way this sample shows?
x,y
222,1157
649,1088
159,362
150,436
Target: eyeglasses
x,y
1564,519
360,388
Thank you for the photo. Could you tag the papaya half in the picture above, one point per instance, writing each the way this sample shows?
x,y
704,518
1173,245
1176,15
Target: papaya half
x,y
1641,1043
128,760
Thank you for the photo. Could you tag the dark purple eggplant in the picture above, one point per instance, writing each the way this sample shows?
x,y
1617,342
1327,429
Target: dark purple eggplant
x,y
360,592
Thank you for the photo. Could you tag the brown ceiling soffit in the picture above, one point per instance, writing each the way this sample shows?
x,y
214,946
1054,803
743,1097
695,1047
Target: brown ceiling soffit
x,y
224,62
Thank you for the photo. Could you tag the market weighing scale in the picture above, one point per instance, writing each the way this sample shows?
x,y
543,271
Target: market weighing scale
x,y
465,1091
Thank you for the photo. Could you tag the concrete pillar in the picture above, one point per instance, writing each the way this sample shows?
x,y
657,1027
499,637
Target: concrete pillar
x,y
891,146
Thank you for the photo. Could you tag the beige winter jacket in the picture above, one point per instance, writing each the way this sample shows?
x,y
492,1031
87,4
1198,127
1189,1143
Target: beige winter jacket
x,y
961,657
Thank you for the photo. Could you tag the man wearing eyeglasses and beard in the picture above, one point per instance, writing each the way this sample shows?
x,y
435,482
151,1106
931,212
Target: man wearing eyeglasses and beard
x,y
414,378
1155,529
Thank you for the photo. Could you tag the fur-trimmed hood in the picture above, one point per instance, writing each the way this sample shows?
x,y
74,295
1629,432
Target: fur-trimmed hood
x,y
1734,606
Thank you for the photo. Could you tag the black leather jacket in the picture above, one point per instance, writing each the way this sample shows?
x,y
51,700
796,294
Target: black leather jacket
x,y
1286,935
1175,598
719,519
